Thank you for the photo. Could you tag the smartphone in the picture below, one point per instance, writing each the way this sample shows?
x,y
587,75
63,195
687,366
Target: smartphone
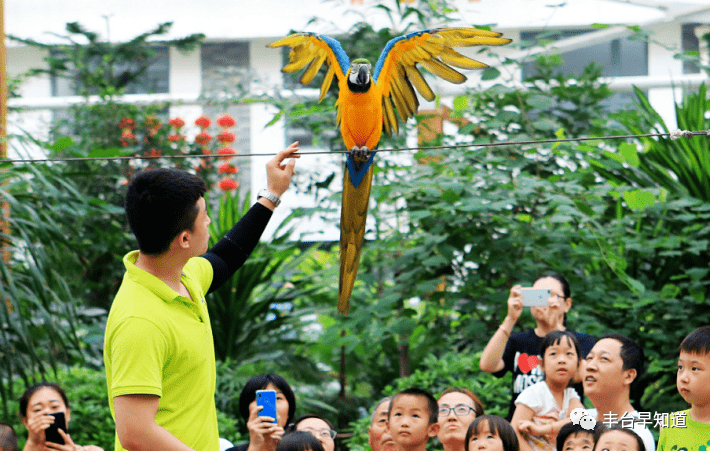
x,y
267,399
51,434
535,297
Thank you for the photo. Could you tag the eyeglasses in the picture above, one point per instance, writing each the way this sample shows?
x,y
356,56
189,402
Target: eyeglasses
x,y
321,433
461,410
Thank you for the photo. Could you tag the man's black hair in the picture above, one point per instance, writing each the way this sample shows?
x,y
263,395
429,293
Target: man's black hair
x,y
160,204
633,357
432,405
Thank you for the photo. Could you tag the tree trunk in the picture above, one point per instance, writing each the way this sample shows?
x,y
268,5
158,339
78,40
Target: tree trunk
x,y
404,364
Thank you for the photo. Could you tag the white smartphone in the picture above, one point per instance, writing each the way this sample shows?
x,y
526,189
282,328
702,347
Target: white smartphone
x,y
535,297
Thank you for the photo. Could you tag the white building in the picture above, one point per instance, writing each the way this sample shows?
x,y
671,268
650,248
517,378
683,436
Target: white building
x,y
237,33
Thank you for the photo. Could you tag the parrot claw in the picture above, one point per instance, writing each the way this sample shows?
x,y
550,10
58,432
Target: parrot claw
x,y
360,155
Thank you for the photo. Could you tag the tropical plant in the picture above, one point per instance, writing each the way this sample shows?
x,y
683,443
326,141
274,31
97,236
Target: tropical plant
x,y
680,166
248,310
41,324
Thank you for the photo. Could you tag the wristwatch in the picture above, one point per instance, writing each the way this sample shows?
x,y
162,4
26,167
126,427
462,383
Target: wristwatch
x,y
269,195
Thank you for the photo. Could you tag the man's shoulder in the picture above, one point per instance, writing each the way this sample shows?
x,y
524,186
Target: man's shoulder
x,y
198,266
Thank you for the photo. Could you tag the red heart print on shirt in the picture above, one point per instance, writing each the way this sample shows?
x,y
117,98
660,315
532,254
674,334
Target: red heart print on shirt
x,y
527,362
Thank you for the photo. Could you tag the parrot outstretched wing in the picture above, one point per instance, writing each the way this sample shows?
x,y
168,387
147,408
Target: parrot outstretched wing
x,y
313,50
397,75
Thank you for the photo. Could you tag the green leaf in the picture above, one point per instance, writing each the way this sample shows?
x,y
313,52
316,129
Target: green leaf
x,y
460,103
630,154
109,153
61,144
639,199
540,101
559,134
490,74
600,25
545,125
584,208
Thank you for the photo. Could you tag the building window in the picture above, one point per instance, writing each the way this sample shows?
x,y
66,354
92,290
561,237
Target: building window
x,y
154,80
619,57
690,43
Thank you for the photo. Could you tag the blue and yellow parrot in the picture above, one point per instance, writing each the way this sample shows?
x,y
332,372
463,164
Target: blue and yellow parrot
x,y
366,104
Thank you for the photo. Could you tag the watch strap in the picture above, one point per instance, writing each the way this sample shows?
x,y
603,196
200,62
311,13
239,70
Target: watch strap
x,y
269,195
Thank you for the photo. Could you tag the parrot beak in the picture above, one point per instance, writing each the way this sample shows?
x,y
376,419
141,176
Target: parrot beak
x,y
363,76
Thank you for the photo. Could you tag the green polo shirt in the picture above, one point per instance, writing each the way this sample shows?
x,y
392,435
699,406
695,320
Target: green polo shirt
x,y
684,434
160,343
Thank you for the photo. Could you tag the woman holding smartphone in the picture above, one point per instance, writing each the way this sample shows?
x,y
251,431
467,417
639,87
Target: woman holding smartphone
x,y
265,431
42,408
519,352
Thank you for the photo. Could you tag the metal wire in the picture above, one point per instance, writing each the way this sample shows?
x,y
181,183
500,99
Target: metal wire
x,y
673,135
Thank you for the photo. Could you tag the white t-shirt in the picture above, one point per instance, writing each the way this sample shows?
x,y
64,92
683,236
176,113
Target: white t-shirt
x,y
540,399
643,431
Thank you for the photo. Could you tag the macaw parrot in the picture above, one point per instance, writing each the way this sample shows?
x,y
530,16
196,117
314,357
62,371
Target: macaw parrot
x,y
366,104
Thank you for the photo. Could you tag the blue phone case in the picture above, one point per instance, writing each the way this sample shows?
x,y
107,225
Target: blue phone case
x,y
267,399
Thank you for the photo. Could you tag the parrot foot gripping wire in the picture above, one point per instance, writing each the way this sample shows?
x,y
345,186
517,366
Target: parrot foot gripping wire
x,y
360,155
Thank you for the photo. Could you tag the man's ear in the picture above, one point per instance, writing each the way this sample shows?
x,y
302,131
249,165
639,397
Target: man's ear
x,y
433,430
629,376
182,240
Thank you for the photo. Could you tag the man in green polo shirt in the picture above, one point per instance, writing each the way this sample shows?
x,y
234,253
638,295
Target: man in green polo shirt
x,y
158,347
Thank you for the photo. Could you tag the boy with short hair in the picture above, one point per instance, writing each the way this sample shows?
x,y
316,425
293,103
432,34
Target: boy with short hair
x,y
693,382
413,418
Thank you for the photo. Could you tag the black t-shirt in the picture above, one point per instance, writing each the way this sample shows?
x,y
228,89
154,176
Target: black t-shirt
x,y
520,348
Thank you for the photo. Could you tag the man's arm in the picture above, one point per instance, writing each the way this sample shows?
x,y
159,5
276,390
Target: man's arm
x,y
230,253
136,427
